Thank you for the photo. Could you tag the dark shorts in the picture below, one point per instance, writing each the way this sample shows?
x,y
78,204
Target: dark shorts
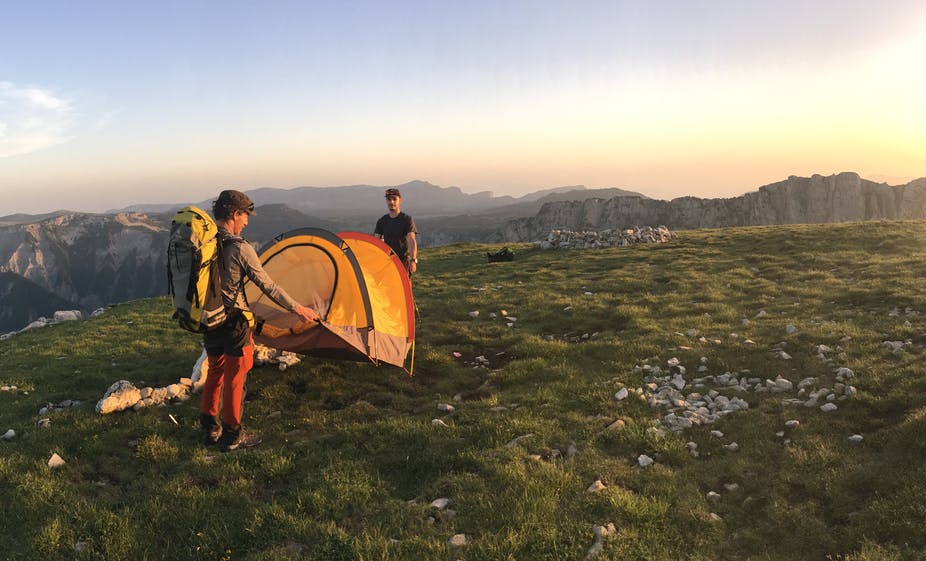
x,y
229,338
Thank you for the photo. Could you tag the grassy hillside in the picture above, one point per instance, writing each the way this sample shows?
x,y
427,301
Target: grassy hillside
x,y
351,460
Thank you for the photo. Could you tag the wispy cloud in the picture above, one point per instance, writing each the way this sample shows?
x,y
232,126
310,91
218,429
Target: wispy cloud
x,y
31,119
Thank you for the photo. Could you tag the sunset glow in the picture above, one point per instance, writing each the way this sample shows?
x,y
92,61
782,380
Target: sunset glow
x,y
104,105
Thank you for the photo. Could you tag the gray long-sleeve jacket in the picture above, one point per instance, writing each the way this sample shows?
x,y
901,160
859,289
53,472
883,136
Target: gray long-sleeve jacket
x,y
240,260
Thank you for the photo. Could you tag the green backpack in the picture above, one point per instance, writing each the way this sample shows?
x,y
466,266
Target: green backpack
x,y
193,270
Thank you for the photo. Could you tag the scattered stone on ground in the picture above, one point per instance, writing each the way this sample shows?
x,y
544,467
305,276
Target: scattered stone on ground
x,y
438,423
9,435
601,533
596,487
446,407
856,438
897,347
692,448
55,461
644,461
53,407
458,540
706,399
440,503
616,425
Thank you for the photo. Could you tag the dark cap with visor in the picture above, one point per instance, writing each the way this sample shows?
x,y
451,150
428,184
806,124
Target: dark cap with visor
x,y
235,200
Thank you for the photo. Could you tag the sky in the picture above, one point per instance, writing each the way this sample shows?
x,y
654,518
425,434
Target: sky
x,y
104,104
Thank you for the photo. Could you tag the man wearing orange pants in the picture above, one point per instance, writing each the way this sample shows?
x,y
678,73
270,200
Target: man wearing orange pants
x,y
230,347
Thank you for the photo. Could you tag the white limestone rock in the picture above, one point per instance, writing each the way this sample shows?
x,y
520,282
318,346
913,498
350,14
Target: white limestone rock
x,y
596,487
68,315
856,438
459,540
828,407
441,503
616,425
621,394
446,407
55,461
601,533
644,461
9,435
120,396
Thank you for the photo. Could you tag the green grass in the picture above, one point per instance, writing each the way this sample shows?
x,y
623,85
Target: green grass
x,y
350,461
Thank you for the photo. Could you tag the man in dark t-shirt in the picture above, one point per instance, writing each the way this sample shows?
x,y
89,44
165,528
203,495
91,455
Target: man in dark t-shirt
x,y
398,230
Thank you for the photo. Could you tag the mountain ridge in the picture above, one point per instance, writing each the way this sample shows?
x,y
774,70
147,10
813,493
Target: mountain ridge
x,y
89,260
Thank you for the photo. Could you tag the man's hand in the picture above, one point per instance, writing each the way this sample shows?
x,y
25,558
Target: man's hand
x,y
412,266
306,314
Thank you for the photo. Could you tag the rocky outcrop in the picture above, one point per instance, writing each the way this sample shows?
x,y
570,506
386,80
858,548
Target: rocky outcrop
x,y
798,200
567,239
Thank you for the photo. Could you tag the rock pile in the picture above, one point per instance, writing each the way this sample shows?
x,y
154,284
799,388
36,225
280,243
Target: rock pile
x,y
124,395
567,239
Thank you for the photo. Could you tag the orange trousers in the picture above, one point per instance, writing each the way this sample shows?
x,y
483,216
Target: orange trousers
x,y
226,377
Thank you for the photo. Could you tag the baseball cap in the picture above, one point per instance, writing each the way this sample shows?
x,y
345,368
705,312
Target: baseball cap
x,y
392,192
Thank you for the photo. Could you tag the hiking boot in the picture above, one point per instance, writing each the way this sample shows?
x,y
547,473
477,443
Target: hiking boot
x,y
235,439
212,430
211,436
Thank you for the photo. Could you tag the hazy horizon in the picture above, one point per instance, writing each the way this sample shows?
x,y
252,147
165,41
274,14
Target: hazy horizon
x,y
109,104
206,194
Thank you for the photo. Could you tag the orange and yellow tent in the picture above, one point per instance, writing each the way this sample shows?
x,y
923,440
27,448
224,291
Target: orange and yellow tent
x,y
356,284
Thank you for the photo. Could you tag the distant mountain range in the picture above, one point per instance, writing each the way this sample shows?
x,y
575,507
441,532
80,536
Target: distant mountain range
x,y
79,260
360,202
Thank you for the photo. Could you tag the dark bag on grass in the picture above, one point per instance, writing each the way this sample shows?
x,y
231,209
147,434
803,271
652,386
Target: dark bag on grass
x,y
504,254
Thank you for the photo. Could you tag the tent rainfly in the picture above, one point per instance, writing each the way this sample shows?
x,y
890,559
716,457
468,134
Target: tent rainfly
x,y
354,281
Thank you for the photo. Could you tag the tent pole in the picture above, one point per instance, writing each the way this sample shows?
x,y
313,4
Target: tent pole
x,y
411,367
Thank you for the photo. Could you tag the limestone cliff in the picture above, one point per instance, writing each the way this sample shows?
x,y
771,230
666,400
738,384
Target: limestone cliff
x,y
798,200
89,259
